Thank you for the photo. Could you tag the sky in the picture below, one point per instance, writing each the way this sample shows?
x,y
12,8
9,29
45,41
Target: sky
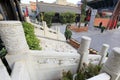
x,y
50,1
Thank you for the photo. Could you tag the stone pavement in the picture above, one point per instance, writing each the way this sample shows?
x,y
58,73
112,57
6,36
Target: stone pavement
x,y
110,37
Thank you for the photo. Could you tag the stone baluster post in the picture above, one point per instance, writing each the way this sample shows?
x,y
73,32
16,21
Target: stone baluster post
x,y
58,31
45,28
103,53
83,50
12,34
28,19
112,65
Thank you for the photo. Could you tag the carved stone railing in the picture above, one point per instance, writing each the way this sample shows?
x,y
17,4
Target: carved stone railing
x,y
12,35
94,59
52,57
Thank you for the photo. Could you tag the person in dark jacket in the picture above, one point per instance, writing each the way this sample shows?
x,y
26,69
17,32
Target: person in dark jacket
x,y
68,33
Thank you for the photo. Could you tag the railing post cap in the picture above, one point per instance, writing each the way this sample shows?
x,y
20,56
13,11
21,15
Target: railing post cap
x,y
106,45
86,38
116,50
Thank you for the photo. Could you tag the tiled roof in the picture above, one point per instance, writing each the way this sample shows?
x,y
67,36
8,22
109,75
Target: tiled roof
x,y
51,7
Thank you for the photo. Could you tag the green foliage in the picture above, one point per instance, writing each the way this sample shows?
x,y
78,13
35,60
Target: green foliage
x,y
102,29
118,24
63,18
32,40
1,44
40,17
48,18
68,33
83,7
67,17
3,51
67,75
83,10
82,18
70,17
85,73
88,72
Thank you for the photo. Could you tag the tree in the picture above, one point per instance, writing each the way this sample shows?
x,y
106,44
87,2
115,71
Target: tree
x,y
48,18
83,12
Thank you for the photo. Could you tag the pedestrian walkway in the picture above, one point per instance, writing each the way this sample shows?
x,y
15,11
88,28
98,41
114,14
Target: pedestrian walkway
x,y
110,37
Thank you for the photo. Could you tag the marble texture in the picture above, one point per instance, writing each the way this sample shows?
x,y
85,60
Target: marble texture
x,y
12,35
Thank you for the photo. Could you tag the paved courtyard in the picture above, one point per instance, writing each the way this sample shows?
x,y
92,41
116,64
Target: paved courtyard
x,y
110,37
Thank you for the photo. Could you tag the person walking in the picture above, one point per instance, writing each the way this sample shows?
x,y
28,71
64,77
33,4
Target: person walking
x,y
68,33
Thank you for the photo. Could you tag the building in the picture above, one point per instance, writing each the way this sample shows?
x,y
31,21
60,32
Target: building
x,y
64,2
51,7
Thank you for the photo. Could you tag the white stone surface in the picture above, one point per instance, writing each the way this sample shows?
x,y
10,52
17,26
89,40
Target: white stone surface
x,y
19,71
58,46
94,59
103,53
52,57
28,19
17,57
12,35
113,62
83,50
38,63
48,32
48,65
112,65
102,76
45,28
3,72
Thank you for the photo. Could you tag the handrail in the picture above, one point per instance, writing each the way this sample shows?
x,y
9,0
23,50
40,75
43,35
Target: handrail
x,y
46,57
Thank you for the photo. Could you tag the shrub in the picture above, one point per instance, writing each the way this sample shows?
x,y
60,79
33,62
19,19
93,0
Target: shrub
x,y
70,17
32,40
85,73
48,18
62,18
88,72
67,17
83,10
3,51
82,18
67,75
